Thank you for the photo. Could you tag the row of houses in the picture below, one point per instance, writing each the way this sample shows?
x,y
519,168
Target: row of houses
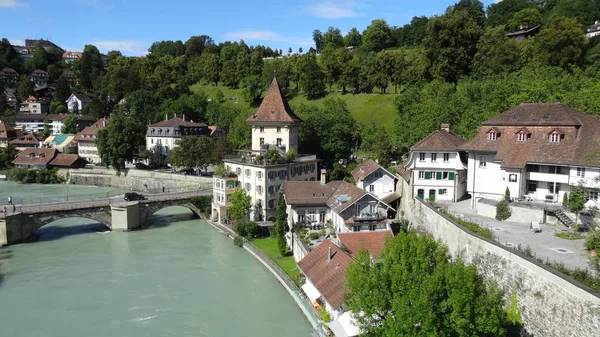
x,y
39,77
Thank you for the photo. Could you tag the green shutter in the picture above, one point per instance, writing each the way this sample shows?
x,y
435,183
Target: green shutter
x,y
441,191
438,175
427,175
451,176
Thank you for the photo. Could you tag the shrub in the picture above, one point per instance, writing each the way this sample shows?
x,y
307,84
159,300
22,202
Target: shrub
x,y
16,174
503,211
240,228
290,155
203,203
507,194
324,315
593,239
314,235
252,229
565,202
470,226
238,241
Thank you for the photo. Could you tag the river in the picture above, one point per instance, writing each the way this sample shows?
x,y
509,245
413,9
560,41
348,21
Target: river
x,y
180,277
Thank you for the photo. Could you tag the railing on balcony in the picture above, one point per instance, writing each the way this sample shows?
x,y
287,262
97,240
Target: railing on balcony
x,y
365,216
258,158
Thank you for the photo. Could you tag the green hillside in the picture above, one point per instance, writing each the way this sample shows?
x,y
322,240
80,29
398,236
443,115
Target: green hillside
x,y
365,108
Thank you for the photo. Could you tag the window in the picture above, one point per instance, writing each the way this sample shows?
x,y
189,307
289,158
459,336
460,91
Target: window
x,y
422,156
271,188
492,135
592,195
152,141
247,172
259,189
521,136
434,157
553,188
421,175
554,137
372,227
279,129
356,228
262,129
371,188
378,175
512,178
432,175
248,187
482,161
259,174
445,175
272,205
581,172
446,157
531,187
262,141
442,191
279,141
238,171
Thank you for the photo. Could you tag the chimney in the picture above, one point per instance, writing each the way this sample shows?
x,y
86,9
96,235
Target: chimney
x,y
328,254
323,176
183,117
166,116
445,127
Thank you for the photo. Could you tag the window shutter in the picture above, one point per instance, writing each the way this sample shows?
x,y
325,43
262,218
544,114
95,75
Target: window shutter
x,y
441,191
438,175
451,176
427,175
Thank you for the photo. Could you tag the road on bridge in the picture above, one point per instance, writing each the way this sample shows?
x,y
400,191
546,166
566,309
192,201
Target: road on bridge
x,y
116,200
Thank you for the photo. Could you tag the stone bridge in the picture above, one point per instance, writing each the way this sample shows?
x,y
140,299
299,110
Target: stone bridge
x,y
116,213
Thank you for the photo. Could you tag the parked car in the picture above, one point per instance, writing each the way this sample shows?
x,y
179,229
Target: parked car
x,y
586,221
141,166
132,196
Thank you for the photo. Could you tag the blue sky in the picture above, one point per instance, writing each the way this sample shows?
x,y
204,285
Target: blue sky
x,y
132,25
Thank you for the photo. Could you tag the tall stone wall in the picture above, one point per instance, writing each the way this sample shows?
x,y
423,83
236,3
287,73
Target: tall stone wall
x,y
138,180
551,304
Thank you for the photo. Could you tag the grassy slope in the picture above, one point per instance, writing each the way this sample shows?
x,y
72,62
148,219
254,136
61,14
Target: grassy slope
x,y
269,247
365,108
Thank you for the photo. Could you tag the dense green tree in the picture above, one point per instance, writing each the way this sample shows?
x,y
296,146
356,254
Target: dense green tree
x,y
229,73
239,132
97,108
499,12
577,200
333,37
312,78
496,54
526,18
332,67
318,39
4,107
62,91
46,131
120,140
418,290
164,48
413,33
24,88
70,124
211,67
281,225
40,56
451,44
473,7
252,89
353,38
560,44
383,69
377,36
195,45
192,152
91,67
377,142
585,11
9,58
241,203
7,155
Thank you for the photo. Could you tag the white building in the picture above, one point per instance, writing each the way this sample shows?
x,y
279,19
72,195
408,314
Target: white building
x,y
537,151
349,208
165,135
376,180
33,105
77,101
39,77
262,170
439,169
34,123
86,141
593,30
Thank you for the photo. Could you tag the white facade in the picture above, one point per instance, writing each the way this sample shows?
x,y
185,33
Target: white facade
x,y
439,176
74,103
164,144
33,125
380,183
88,151
284,136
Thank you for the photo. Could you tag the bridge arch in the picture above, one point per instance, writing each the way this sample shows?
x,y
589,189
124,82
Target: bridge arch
x,y
148,210
54,230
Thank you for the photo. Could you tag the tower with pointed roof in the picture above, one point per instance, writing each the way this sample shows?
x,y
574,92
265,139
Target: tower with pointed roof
x,y
274,123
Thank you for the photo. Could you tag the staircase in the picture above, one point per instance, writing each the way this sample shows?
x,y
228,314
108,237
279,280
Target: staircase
x,y
563,218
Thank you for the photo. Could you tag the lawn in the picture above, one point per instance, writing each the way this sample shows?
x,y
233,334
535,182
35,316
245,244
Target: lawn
x,y
365,108
570,236
269,247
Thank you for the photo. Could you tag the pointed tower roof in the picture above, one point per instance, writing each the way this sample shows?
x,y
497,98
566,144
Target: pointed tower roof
x,y
274,108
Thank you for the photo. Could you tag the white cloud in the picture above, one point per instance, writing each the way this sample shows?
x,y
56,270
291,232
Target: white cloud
x,y
11,4
334,9
126,47
267,35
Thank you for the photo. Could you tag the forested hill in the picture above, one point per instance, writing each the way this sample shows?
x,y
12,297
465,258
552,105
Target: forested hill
x,y
377,91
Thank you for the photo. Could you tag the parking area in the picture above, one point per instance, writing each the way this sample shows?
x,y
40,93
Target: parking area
x,y
543,245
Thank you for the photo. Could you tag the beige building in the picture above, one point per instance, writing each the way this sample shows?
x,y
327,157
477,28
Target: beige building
x,y
166,134
86,141
262,170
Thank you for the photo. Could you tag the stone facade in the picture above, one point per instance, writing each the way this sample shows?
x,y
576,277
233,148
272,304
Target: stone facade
x,y
551,304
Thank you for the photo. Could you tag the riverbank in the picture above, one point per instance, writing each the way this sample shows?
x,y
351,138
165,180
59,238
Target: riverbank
x,y
279,274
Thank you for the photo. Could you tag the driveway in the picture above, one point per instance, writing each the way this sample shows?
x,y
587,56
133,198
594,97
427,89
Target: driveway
x,y
543,245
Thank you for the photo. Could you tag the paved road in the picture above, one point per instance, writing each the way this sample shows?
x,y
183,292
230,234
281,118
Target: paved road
x,y
544,245
116,200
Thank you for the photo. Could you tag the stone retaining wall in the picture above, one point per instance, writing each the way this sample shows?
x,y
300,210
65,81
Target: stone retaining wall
x,y
138,180
551,304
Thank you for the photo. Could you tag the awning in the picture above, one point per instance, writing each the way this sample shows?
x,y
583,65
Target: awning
x,y
311,291
391,197
344,326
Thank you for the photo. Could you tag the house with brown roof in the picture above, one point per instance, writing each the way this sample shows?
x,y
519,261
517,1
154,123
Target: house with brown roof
x,y
7,133
325,270
70,56
35,158
438,168
69,76
372,177
274,131
372,242
349,208
537,151
62,160
27,141
216,132
86,141
77,101
39,77
32,105
165,135
9,75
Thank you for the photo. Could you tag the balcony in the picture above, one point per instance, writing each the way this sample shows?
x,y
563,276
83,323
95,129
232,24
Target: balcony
x,y
365,216
548,177
258,158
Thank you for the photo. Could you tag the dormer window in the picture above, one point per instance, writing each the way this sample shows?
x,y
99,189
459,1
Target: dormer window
x,y
521,136
492,135
555,136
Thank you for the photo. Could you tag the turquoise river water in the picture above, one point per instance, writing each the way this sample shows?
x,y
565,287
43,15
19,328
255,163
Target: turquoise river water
x,y
180,277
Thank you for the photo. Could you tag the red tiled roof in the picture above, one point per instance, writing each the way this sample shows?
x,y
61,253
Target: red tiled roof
x,y
177,121
8,71
327,276
73,54
214,128
365,169
403,171
28,139
274,108
89,133
65,160
35,156
577,146
373,242
7,132
439,140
